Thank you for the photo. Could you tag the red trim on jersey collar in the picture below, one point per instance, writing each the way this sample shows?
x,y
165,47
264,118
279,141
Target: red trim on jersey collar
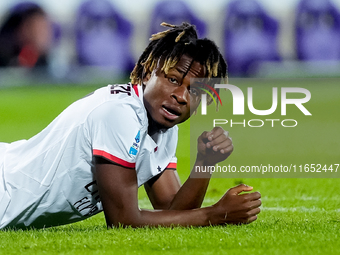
x,y
135,87
113,158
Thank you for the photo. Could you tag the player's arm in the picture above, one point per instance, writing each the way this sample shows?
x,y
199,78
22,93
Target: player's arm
x,y
118,192
162,189
165,192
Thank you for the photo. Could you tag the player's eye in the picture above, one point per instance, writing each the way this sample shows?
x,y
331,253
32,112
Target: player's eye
x,y
194,92
173,80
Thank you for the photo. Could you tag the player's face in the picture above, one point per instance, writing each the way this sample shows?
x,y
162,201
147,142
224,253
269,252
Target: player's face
x,y
168,98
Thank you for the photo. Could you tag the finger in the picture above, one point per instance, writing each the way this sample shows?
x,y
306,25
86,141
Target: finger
x,y
254,204
217,140
204,137
246,220
229,149
216,132
223,147
239,188
251,219
252,196
251,216
253,212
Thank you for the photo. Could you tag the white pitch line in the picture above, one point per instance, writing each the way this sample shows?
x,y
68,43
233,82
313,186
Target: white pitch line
x,y
297,209
302,198
276,199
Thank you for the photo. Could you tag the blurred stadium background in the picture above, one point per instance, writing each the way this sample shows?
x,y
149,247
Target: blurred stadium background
x,y
99,40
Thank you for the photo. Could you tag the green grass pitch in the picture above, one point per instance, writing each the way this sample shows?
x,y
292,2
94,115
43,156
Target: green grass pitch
x,y
299,216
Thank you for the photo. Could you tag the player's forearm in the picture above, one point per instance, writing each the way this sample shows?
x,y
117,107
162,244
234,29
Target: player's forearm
x,y
168,218
192,192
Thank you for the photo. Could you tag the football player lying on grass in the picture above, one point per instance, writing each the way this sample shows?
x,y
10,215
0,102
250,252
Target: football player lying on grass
x,y
98,151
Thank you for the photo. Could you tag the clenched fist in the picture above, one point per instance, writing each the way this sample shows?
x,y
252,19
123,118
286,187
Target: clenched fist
x,y
236,208
214,146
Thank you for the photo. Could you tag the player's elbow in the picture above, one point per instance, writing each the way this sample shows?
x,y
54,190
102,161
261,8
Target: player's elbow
x,y
125,219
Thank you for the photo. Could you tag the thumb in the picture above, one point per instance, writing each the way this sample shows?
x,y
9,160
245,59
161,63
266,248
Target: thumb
x,y
239,188
204,135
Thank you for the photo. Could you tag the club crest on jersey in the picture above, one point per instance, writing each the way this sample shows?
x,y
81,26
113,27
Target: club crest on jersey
x,y
135,146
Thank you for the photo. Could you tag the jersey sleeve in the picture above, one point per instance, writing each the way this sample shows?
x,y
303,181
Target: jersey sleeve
x,y
172,147
173,163
116,132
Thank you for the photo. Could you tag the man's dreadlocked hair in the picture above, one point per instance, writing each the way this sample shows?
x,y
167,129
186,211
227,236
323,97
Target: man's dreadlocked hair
x,y
171,44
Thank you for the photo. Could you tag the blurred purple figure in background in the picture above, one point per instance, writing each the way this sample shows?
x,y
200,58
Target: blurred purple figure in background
x,y
103,37
175,12
250,37
25,36
317,30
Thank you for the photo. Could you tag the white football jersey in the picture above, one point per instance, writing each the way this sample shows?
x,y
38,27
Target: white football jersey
x,y
48,180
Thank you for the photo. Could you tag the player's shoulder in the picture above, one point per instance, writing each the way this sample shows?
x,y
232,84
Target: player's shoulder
x,y
121,93
127,89
127,97
117,91
119,101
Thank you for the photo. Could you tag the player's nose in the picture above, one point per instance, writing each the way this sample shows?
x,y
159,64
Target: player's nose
x,y
181,94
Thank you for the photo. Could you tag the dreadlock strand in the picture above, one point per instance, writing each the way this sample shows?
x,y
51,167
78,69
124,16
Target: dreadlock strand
x,y
168,64
172,58
147,62
164,24
215,69
173,63
159,35
153,65
165,65
133,77
208,66
179,36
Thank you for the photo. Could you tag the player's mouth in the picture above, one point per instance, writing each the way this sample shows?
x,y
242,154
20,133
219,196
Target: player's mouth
x,y
171,112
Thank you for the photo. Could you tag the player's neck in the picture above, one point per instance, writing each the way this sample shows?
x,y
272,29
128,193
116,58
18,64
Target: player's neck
x,y
154,127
